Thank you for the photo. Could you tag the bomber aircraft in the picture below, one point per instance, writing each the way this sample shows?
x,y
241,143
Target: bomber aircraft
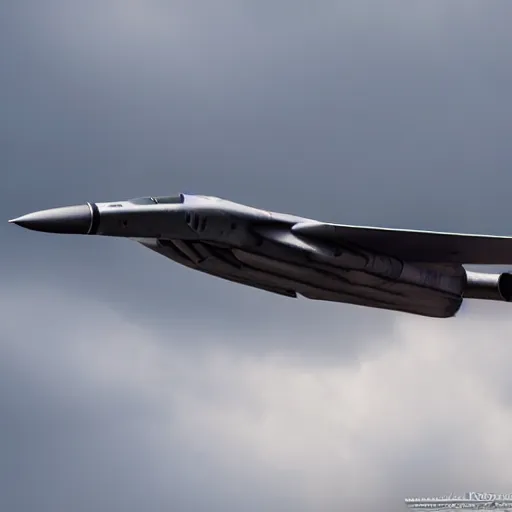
x,y
418,272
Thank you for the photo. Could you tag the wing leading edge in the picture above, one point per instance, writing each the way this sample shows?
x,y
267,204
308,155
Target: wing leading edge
x,y
415,245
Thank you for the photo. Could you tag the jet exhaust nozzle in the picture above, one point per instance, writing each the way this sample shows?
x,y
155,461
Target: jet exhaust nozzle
x,y
71,220
489,286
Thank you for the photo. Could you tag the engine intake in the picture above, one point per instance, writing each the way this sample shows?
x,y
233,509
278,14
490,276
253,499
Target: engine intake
x,y
481,285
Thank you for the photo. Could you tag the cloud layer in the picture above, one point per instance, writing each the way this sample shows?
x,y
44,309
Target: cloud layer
x,y
128,382
110,415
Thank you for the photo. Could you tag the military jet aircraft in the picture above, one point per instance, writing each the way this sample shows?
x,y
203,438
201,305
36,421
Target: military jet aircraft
x,y
419,272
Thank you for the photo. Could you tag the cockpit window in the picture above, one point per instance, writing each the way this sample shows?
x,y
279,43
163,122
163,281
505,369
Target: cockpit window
x,y
143,200
170,199
158,200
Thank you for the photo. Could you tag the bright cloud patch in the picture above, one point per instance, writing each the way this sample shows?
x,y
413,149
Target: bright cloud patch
x,y
424,415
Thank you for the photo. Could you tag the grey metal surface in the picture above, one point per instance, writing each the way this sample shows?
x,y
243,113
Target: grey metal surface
x,y
423,246
411,271
66,220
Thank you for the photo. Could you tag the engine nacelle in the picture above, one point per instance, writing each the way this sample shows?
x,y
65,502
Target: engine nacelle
x,y
481,285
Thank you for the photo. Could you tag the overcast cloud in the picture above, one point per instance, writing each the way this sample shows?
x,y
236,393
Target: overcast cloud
x,y
130,383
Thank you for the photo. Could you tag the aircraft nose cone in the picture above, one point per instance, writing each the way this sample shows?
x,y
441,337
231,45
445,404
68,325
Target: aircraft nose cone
x,y
74,220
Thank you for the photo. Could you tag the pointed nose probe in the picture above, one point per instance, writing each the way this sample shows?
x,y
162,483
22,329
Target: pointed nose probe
x,y
73,220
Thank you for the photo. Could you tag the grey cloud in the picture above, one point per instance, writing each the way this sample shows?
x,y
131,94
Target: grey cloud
x,y
88,426
113,415
332,108
386,114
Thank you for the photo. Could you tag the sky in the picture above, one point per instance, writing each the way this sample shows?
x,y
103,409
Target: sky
x,y
130,383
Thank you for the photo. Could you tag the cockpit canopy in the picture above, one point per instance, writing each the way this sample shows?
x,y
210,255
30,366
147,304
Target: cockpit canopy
x,y
179,199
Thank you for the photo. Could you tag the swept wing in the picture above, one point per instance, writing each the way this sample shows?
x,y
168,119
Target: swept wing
x,y
414,245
